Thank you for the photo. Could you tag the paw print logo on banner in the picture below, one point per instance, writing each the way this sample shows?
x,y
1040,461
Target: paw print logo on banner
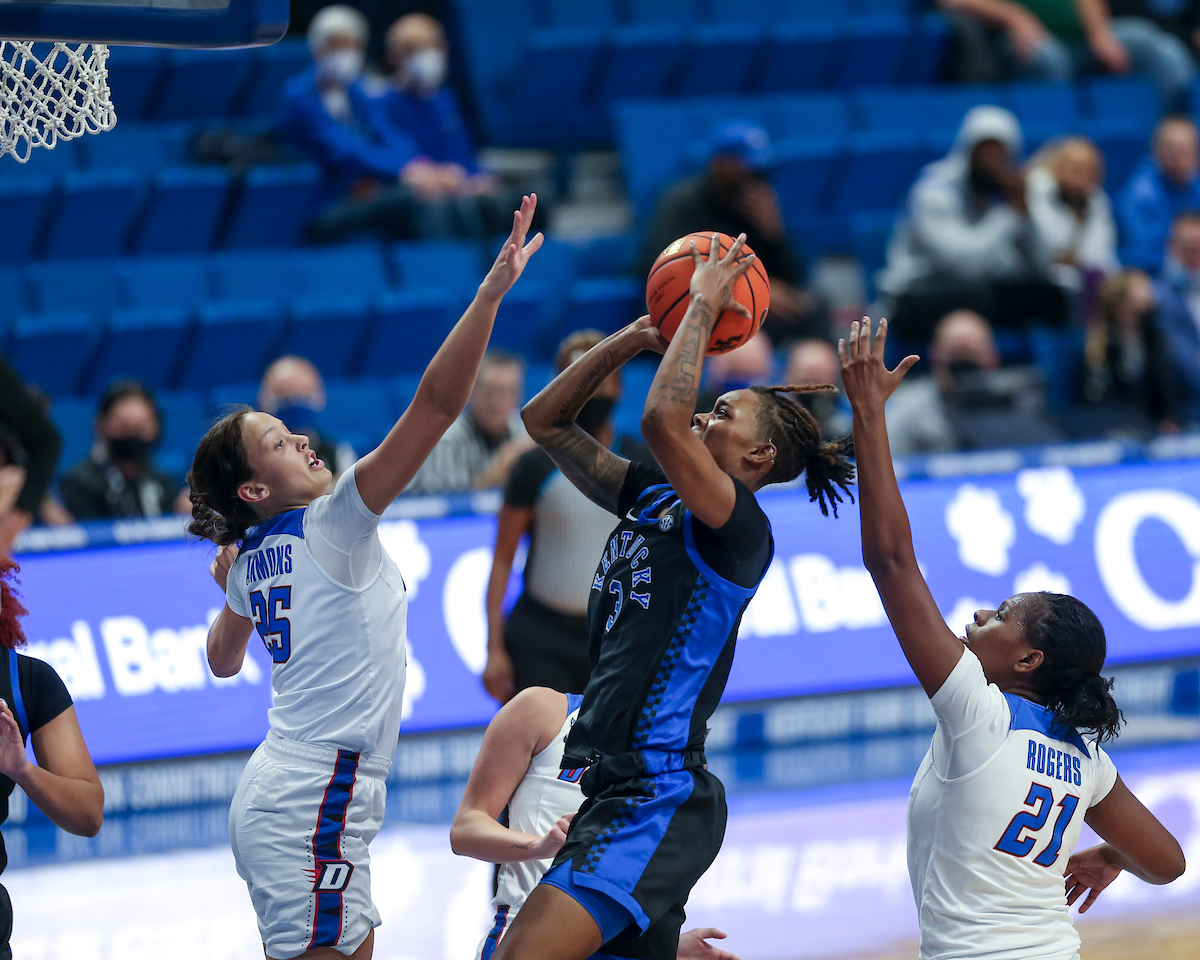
x,y
1054,504
982,528
402,540
963,612
1040,577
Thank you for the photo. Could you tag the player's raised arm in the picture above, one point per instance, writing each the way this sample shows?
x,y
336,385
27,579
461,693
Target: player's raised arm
x,y
446,386
550,416
931,648
703,486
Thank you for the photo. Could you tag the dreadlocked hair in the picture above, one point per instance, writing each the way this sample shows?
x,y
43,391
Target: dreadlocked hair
x,y
11,608
1072,641
799,449
218,469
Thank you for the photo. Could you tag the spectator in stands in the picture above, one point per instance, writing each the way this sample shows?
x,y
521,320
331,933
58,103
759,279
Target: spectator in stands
x,y
481,446
1166,184
293,390
1178,296
1129,382
816,361
29,449
1072,212
1178,17
968,241
119,478
732,195
544,640
1058,39
750,364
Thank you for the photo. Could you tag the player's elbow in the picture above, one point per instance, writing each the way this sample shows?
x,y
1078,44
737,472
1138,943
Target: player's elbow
x,y
91,823
537,425
1170,865
657,424
460,838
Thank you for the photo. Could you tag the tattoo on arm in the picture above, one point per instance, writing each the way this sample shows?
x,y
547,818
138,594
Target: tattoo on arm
x,y
605,364
595,470
683,384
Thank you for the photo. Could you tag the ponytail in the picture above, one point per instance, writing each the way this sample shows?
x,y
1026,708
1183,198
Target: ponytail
x,y
11,609
218,469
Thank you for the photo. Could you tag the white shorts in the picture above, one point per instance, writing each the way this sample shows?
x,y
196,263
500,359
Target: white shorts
x,y
502,919
299,826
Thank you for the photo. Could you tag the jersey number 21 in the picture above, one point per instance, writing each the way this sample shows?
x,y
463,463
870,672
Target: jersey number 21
x,y
1040,800
274,628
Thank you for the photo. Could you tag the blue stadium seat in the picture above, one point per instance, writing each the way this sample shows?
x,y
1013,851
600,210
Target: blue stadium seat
x,y
524,318
808,115
876,50
731,51
803,175
183,211
65,158
201,84
14,293
74,417
637,377
273,206
928,50
145,147
654,138
357,412
448,264
802,11
875,170
1046,109
165,282
93,213
799,55
408,327
221,398
1133,99
493,34
255,275
135,75
51,351
75,286
605,304
328,331
663,13
184,421
555,265
230,344
274,66
355,271
639,62
400,390
608,256
934,113
24,205
143,343
537,377
572,14
548,94
870,233
1124,144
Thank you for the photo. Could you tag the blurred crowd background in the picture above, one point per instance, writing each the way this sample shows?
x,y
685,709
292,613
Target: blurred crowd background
x,y
1013,182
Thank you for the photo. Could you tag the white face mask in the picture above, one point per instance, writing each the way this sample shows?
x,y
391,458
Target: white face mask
x,y
343,66
426,68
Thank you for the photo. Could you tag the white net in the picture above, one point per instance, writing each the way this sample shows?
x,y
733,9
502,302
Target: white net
x,y
58,96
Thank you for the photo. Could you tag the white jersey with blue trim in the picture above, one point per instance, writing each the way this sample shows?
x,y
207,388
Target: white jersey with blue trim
x,y
995,811
330,605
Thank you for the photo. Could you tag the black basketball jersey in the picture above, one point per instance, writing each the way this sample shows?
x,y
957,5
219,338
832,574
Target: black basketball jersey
x,y
662,627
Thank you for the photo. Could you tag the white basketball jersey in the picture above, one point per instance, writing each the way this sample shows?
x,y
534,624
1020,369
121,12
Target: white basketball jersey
x,y
543,795
330,605
995,811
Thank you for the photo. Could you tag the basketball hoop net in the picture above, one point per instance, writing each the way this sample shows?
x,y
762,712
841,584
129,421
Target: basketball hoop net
x,y
59,97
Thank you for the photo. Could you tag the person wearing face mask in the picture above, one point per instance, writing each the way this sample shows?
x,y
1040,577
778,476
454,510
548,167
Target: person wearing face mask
x,y
816,361
543,641
967,240
1178,296
292,390
119,478
1166,184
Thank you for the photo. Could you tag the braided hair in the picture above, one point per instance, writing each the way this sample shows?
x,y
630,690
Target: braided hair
x,y
1072,641
218,469
797,438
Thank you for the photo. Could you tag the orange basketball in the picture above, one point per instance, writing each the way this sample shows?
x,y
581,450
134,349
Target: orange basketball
x,y
667,293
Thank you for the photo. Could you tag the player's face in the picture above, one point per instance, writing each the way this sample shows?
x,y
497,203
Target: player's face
x,y
283,463
997,637
730,430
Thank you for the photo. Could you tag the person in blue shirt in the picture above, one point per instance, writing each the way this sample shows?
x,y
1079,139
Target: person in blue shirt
x,y
1178,318
1165,185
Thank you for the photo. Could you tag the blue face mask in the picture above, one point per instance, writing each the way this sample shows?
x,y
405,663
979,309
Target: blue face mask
x,y
298,414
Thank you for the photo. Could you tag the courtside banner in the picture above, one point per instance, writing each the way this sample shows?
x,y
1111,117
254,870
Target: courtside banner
x,y
125,626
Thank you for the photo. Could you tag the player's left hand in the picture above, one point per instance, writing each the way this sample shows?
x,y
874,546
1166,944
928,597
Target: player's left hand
x,y
516,253
12,748
221,564
867,380
553,841
646,335
1088,871
693,945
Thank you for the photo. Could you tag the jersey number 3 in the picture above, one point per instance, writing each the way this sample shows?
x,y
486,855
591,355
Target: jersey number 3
x,y
1041,799
272,625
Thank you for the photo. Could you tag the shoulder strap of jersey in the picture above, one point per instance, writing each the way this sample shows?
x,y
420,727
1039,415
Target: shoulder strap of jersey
x,y
574,702
18,702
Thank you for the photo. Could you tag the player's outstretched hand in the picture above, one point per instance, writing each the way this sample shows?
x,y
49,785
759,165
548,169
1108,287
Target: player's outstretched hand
x,y
12,747
714,276
867,380
1088,871
693,945
553,841
221,564
516,253
648,336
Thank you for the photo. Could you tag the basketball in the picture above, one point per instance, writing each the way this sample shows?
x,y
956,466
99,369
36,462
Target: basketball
x,y
667,293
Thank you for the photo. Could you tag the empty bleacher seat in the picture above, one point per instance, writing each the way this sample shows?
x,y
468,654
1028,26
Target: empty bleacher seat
x,y
523,322
273,67
408,327
183,210
74,417
44,163
400,391
184,421
165,282
24,206
201,84
636,379
133,146
605,304
799,55
1133,99
1045,109
639,61
548,94
51,351
224,396
66,286
933,113
273,206
93,214
14,293
808,115
230,344
255,275
803,175
874,172
328,331
875,50
357,412
142,343
654,138
355,270
134,76
448,264
731,51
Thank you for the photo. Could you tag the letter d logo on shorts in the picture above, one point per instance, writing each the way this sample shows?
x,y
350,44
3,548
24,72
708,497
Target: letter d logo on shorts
x,y
332,876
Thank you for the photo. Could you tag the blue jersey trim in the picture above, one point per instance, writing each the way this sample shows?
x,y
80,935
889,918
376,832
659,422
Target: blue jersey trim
x,y
574,702
493,937
718,581
1027,715
290,523
18,701
327,846
645,515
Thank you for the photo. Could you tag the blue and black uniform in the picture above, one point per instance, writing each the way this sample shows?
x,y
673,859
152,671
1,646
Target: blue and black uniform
x,y
665,606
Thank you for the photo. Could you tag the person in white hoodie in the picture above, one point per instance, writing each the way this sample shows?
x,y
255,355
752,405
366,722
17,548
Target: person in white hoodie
x,y
967,240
